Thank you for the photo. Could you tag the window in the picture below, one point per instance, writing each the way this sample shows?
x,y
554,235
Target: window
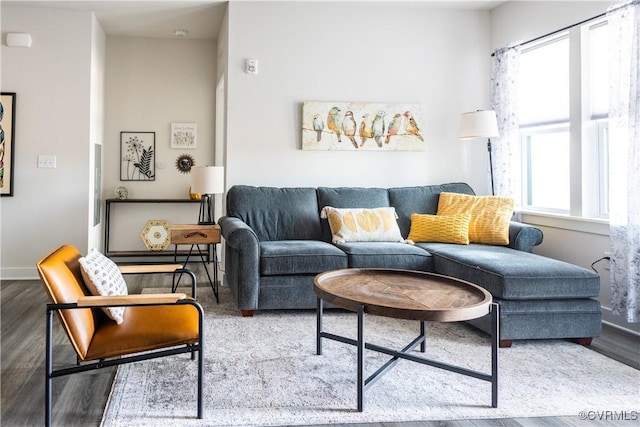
x,y
547,156
598,40
603,168
564,105
544,121
598,63
544,83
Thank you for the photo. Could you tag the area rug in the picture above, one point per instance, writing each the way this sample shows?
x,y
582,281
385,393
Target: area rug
x,y
263,371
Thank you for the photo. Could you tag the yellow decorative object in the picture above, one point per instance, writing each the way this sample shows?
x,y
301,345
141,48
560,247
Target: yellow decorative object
x,y
155,235
490,215
440,228
363,225
194,196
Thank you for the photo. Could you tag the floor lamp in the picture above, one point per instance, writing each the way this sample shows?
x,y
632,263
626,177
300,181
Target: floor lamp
x,y
480,124
207,180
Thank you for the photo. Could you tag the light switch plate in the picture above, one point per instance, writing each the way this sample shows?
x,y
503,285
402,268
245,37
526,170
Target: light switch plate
x,y
46,161
251,66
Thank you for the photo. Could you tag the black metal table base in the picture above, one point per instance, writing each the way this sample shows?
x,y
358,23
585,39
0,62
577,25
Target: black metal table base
x,y
214,282
364,383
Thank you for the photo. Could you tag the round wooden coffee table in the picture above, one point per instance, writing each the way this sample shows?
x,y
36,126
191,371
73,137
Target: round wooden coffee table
x,y
405,294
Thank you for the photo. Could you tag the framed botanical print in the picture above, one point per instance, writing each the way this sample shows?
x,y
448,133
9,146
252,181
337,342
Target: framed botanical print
x,y
137,156
7,142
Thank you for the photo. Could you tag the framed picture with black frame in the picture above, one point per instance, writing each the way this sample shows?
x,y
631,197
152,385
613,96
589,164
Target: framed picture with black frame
x,y
137,156
7,142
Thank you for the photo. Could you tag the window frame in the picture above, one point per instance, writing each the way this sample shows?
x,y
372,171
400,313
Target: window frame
x,y
588,136
526,133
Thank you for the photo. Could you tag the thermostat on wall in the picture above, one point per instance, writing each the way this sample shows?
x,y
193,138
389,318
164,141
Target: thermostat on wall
x,y
18,40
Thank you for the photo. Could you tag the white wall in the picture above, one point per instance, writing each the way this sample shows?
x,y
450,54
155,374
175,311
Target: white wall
x,y
366,52
52,82
519,21
98,52
577,241
151,83
222,96
67,83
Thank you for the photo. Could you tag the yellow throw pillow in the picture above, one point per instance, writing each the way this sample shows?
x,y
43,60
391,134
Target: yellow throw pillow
x,y
363,225
440,228
490,215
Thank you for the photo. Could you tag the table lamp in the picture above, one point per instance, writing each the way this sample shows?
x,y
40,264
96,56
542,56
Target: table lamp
x,y
480,124
207,180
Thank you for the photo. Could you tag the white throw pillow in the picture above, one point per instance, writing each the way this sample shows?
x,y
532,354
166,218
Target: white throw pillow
x,y
363,225
102,277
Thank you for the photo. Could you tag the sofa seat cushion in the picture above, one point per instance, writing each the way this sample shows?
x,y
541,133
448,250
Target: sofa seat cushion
x,y
299,257
387,255
513,275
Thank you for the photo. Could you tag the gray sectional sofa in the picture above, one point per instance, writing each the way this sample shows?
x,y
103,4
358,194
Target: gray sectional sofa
x,y
276,242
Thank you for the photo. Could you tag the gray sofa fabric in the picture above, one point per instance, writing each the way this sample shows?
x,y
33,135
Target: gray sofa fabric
x,y
277,213
276,242
514,275
545,319
387,255
299,257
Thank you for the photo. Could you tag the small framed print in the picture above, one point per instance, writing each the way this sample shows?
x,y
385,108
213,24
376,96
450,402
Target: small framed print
x,y
7,136
184,135
137,156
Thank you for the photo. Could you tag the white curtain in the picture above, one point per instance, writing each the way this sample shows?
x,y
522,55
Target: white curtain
x,y
504,100
624,152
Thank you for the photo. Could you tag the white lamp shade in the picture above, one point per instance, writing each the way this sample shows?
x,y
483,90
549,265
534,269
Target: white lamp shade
x,y
207,179
478,124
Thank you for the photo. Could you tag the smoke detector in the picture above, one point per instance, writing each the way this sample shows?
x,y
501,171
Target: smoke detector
x,y
178,32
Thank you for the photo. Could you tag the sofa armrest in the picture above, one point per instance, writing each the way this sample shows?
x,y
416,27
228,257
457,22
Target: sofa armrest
x,y
237,233
242,261
524,237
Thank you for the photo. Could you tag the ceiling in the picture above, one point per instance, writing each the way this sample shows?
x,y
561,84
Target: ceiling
x,y
201,19
147,18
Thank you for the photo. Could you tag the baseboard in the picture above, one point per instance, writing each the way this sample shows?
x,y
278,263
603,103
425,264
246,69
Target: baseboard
x,y
619,344
19,273
619,322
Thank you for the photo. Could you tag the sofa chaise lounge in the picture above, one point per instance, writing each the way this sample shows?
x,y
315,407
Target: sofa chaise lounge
x,y
276,242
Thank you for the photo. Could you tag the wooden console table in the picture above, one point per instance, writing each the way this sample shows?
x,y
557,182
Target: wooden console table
x,y
107,223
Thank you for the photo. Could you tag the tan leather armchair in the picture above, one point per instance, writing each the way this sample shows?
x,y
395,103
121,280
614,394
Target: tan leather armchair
x,y
157,324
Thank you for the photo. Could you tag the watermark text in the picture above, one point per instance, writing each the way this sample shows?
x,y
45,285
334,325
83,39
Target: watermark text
x,y
609,415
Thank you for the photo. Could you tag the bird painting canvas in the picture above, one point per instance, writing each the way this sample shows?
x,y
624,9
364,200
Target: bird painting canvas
x,y
358,126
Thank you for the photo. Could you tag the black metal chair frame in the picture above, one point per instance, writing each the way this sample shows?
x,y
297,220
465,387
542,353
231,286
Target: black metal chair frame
x,y
174,283
50,373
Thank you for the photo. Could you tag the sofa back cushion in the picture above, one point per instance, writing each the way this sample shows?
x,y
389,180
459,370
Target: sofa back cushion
x,y
421,200
276,213
349,197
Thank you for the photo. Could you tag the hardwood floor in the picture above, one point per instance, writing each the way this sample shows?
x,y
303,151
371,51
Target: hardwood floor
x,y
79,400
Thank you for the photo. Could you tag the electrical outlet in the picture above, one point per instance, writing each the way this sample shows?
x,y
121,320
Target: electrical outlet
x,y
46,161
